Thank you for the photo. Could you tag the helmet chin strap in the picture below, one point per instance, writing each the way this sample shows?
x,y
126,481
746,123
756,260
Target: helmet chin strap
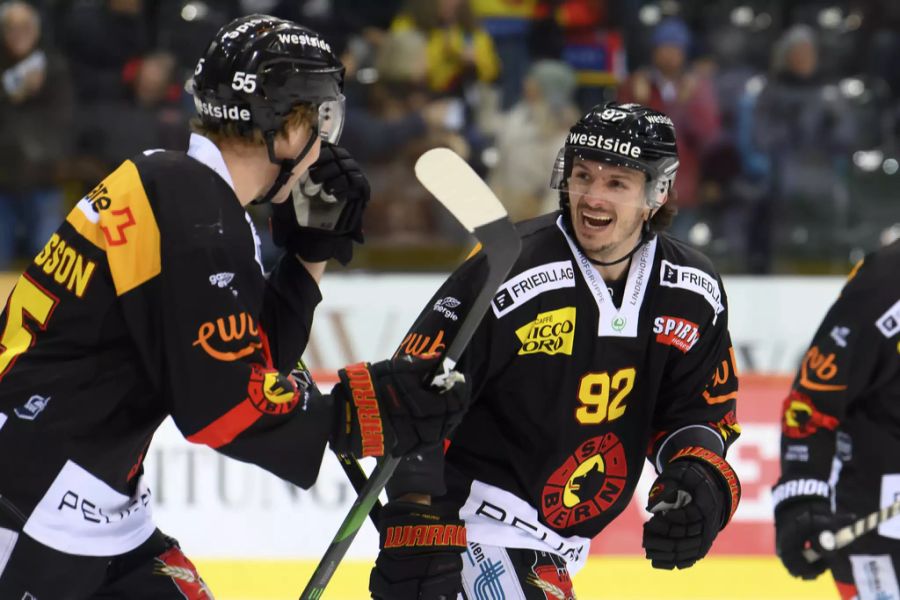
x,y
287,165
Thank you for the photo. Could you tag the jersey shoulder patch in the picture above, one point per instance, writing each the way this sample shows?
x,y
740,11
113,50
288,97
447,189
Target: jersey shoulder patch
x,y
889,323
116,216
544,264
682,267
530,283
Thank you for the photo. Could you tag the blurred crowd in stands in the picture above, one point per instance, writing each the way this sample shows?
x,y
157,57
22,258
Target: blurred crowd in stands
x,y
787,112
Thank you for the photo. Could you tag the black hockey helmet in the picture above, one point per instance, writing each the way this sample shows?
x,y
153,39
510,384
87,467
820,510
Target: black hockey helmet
x,y
258,68
625,135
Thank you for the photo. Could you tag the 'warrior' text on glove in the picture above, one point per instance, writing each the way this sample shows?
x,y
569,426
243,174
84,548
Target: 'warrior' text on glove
x,y
420,556
389,407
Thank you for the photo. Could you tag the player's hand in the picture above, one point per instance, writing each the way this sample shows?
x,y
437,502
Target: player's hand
x,y
389,408
323,218
691,501
413,566
798,524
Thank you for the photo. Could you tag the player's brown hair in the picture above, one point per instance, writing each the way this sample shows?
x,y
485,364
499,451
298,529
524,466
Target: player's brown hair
x,y
662,218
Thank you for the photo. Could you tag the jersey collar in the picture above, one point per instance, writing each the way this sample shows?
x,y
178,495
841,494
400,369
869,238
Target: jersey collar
x,y
613,322
203,149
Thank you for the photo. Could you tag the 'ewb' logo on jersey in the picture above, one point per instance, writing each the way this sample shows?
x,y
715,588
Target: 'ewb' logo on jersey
x,y
693,280
533,282
551,333
889,322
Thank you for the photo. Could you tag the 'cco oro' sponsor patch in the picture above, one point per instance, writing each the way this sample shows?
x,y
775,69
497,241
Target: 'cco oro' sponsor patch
x,y
533,282
551,333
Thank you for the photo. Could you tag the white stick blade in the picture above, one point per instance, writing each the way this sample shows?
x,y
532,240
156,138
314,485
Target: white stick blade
x,y
455,185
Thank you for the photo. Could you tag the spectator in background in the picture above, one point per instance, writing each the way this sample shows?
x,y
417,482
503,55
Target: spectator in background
x,y
531,134
509,23
400,122
151,116
593,45
461,61
397,108
459,51
99,38
35,118
157,96
801,131
688,97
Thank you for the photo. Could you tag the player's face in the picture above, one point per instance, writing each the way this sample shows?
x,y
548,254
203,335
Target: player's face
x,y
607,206
289,146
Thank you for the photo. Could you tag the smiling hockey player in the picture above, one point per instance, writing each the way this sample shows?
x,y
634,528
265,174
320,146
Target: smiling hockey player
x,y
607,346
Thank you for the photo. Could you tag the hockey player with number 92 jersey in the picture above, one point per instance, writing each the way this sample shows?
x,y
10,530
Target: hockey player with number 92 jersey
x,y
607,345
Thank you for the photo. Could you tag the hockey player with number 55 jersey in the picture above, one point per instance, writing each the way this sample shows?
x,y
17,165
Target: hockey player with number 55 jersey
x,y
607,345
150,301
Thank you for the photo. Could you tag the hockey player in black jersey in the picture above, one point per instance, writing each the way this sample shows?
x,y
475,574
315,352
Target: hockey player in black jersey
x,y
840,437
150,301
608,345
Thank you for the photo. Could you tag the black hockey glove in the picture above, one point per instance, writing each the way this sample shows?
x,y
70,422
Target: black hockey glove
x,y
798,524
421,553
323,216
692,500
389,407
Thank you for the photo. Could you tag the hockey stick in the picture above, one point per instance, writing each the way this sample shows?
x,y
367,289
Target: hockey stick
x,y
462,192
358,479
831,541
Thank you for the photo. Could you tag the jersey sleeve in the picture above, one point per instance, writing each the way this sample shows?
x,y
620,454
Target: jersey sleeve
x,y
289,303
194,302
839,369
439,321
428,338
698,398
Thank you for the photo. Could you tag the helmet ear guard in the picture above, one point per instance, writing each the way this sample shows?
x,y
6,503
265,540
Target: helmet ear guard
x,y
659,188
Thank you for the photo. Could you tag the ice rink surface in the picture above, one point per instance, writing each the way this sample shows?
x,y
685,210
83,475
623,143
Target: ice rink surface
x,y
604,578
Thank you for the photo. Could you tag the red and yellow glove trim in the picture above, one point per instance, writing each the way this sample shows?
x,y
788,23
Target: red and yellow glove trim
x,y
368,414
410,536
721,467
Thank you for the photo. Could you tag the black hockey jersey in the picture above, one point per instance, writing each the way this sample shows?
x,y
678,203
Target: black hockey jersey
x,y
845,398
148,301
571,392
